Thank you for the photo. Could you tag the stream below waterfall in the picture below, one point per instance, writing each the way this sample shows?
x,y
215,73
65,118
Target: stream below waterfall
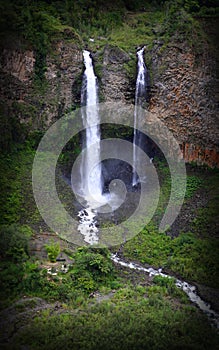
x,y
91,186
189,289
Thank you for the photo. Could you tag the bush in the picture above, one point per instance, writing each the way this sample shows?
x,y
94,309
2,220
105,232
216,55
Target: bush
x,y
92,269
14,242
96,261
53,250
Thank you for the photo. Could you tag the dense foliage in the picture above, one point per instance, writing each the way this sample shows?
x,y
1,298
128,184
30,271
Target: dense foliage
x,y
42,21
134,319
21,274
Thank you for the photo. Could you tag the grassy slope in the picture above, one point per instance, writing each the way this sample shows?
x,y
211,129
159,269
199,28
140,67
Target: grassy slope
x,y
193,254
139,318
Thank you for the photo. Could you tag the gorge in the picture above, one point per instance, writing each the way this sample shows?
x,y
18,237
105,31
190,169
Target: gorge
x,y
132,259
177,104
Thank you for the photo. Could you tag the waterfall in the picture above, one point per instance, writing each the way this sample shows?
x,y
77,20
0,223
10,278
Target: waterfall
x,y
91,187
90,170
141,96
91,181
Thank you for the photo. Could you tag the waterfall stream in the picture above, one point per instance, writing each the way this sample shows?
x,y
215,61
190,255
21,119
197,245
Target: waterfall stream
x,y
91,180
186,287
141,96
90,170
91,186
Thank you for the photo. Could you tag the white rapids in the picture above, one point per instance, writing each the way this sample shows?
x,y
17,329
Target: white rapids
x,y
186,287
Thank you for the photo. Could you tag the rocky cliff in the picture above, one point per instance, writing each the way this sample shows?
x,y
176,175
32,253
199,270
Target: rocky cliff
x,y
185,97
184,91
38,104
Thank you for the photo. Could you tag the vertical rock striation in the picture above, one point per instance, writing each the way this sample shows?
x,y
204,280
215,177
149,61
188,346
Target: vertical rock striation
x,y
185,96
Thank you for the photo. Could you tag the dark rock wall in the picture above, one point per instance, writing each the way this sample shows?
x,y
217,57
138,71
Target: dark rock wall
x,y
38,104
115,82
185,97
184,92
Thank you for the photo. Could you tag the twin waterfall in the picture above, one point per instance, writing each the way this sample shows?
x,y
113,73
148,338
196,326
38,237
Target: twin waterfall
x,y
141,96
91,178
91,184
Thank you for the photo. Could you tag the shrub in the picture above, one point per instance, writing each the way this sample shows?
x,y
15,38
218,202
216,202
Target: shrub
x,y
14,242
53,250
96,261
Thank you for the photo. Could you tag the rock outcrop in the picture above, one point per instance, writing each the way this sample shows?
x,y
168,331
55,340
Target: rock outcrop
x,y
115,82
185,96
35,104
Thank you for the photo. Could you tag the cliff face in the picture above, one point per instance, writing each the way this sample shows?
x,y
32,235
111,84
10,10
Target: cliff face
x,y
115,84
184,92
185,97
38,105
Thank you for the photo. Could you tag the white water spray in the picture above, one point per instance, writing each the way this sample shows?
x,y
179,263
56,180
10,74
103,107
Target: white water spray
x,y
91,173
87,226
141,92
91,181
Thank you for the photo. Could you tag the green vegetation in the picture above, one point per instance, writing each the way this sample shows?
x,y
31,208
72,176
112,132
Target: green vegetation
x,y
53,250
192,258
193,183
43,23
38,26
205,223
17,203
152,311
194,254
14,242
135,318
91,270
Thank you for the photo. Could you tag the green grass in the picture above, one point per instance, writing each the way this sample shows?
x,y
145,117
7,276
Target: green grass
x,y
136,30
193,258
193,255
17,204
193,183
205,223
133,319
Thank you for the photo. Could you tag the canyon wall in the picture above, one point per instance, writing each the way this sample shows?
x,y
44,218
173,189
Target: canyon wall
x,y
184,90
185,96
